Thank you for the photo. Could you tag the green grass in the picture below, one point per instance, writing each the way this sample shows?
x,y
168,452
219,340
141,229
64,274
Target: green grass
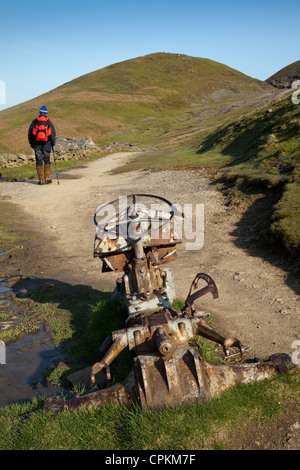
x,y
78,319
24,327
192,427
10,235
286,218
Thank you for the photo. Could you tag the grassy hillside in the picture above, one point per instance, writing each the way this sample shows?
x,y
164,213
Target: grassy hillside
x,y
263,146
257,160
263,151
141,99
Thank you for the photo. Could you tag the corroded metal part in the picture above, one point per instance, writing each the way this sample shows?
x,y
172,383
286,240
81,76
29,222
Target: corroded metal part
x,y
120,394
186,377
175,379
118,345
162,331
193,296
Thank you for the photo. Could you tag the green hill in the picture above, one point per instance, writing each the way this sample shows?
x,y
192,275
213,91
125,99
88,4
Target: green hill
x,y
141,99
286,76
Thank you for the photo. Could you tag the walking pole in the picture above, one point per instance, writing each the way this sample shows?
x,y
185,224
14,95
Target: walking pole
x,y
55,165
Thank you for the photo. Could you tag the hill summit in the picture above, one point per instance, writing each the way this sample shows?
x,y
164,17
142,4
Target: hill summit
x,y
138,96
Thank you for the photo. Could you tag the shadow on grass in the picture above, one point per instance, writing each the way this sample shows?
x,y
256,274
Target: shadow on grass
x,y
78,319
253,232
243,139
238,142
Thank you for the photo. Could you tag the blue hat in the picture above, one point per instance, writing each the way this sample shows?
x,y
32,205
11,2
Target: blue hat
x,y
44,111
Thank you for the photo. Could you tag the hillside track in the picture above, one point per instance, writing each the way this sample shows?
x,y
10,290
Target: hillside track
x,y
255,304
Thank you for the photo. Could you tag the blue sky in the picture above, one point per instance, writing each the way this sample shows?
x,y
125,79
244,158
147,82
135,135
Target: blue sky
x,y
45,44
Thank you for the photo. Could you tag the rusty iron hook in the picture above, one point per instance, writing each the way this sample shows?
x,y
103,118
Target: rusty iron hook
x,y
191,298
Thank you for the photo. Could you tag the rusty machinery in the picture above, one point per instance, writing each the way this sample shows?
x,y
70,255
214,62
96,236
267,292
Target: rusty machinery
x,y
139,242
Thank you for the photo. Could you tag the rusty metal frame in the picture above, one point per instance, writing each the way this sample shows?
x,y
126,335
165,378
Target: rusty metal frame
x,y
167,370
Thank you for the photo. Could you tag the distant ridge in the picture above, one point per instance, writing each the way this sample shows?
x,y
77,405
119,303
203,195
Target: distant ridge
x,y
286,76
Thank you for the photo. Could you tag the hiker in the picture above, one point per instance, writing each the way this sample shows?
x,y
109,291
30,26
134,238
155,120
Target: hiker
x,y
41,137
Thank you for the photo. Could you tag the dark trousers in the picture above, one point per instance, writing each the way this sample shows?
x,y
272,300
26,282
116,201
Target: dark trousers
x,y
41,156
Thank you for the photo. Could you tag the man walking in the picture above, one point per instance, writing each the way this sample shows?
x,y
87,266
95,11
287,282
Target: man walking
x,y
41,137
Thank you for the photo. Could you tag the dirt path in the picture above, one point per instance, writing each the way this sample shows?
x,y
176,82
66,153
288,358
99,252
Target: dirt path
x,y
255,302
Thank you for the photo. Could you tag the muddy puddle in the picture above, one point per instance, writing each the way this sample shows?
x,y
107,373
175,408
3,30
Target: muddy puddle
x,y
22,376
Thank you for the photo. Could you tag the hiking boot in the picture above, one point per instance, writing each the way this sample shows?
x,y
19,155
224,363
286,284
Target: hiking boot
x,y
48,180
40,174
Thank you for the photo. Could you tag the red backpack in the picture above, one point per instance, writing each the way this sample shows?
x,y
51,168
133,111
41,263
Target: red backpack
x,y
41,130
